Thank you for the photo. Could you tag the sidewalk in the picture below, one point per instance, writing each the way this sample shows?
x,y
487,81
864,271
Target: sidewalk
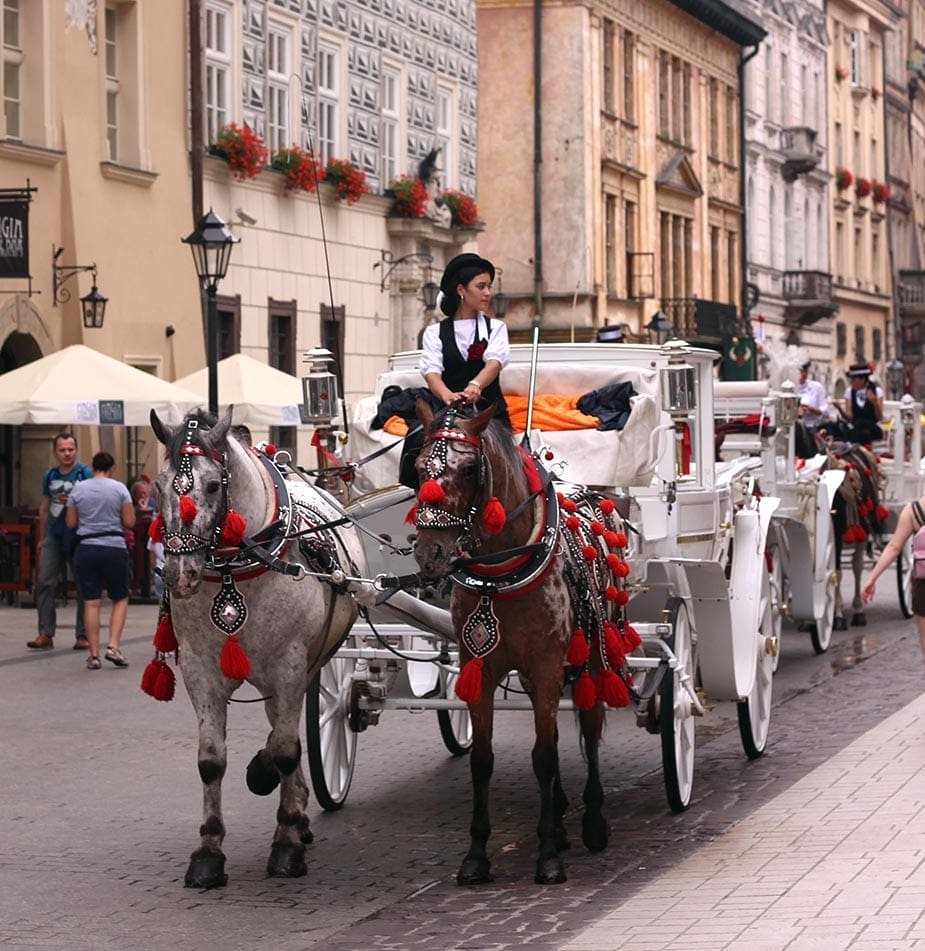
x,y
835,862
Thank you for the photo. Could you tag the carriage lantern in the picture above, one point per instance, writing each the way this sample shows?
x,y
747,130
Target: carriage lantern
x,y
788,405
679,400
907,410
319,388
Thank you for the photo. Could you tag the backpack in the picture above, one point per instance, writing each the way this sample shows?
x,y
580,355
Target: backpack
x,y
918,542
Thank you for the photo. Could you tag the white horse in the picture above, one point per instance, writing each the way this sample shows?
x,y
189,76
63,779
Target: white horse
x,y
255,593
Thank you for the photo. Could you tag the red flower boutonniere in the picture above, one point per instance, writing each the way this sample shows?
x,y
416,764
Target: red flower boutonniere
x,y
476,350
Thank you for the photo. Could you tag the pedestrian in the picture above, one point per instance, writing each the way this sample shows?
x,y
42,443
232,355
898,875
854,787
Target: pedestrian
x,y
142,497
863,405
55,543
101,510
911,519
814,403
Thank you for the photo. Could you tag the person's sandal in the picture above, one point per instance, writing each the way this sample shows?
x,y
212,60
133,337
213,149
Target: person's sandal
x,y
93,662
115,656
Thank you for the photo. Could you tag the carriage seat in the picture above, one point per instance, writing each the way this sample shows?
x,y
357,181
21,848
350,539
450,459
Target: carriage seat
x,y
593,458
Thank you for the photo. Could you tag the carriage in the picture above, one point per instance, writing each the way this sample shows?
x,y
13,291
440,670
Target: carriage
x,y
702,597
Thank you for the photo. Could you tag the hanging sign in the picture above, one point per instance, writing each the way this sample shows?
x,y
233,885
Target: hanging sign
x,y
14,239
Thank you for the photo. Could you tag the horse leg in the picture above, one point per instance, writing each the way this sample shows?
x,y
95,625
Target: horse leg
x,y
594,829
550,869
475,868
284,750
560,801
859,618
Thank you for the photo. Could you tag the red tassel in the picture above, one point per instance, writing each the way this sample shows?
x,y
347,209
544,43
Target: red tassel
x,y
631,638
620,540
577,653
412,515
233,529
234,662
611,689
494,516
187,509
469,682
606,506
883,513
431,491
572,523
589,552
861,533
149,677
269,449
617,595
584,695
597,528
165,640
619,568
612,645
156,528
568,504
165,683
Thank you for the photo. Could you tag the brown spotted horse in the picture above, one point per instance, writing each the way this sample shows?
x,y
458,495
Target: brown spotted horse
x,y
260,588
538,589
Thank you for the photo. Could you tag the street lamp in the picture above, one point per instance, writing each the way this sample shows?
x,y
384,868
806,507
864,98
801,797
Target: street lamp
x,y
660,326
92,305
211,244
896,377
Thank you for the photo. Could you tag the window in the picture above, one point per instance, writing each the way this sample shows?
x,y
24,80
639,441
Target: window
x,y
784,80
664,74
610,242
774,256
629,76
278,70
229,325
391,130
328,67
859,267
674,98
112,85
676,264
768,79
876,344
859,342
218,69
839,148
444,135
714,117
841,340
607,77
732,126
856,67
732,266
714,261
12,68
281,332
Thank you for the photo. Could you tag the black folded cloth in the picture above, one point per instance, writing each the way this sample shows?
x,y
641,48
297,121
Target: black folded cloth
x,y
611,405
396,401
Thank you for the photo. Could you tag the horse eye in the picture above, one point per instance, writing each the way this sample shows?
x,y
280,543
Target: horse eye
x,y
213,486
469,470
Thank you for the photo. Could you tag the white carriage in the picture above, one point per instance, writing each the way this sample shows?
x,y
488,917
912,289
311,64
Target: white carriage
x,y
801,543
702,597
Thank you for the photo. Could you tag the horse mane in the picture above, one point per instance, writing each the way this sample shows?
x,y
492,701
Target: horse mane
x,y
182,435
784,362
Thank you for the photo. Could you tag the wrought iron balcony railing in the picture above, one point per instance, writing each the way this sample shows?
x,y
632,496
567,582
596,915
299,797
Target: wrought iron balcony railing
x,y
809,296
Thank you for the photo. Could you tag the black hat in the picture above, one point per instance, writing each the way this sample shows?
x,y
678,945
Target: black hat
x,y
459,264
807,365
859,369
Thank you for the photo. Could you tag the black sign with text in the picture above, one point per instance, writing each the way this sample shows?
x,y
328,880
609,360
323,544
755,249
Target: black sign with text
x,y
14,239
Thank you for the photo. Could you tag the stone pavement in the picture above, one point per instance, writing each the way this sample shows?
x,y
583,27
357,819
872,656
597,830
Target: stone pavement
x,y
835,862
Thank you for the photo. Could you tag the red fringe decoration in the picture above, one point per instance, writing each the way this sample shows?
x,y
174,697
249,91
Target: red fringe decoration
x,y
883,513
589,552
494,516
156,528
619,568
165,640
584,695
572,523
187,509
577,653
431,491
620,540
469,682
269,449
612,645
597,528
606,506
617,595
149,677
233,529
165,683
631,638
568,504
855,533
234,662
611,689
412,514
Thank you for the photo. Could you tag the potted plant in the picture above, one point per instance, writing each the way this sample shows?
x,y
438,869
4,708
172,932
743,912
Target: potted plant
x,y
843,179
863,187
301,169
462,208
840,72
409,196
242,148
349,181
881,192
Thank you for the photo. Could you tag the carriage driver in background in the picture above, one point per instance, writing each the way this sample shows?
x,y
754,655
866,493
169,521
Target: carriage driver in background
x,y
814,404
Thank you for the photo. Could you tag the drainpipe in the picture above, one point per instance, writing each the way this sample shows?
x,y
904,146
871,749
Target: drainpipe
x,y
195,116
743,236
537,160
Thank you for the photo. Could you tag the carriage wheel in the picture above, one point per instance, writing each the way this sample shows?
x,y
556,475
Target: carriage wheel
x,y
455,725
755,710
904,578
776,582
676,715
332,744
820,630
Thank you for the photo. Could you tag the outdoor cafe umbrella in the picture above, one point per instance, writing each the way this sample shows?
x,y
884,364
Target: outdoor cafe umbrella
x,y
79,386
261,394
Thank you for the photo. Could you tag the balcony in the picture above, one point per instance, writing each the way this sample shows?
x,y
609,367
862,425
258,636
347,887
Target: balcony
x,y
912,294
798,146
706,322
809,297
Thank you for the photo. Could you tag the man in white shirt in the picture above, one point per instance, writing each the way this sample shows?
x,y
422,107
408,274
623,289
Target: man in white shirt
x,y
814,404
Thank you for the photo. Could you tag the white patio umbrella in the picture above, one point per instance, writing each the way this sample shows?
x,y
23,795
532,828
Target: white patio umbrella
x,y
80,386
261,394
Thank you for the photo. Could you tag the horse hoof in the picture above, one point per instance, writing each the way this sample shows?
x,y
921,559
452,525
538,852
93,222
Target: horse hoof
x,y
262,774
206,869
305,833
859,620
594,833
287,861
549,871
839,624
474,872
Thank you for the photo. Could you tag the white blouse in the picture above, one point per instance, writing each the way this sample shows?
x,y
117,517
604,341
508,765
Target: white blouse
x,y
498,347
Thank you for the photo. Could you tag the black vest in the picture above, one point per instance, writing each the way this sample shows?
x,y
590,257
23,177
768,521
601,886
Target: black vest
x,y
458,370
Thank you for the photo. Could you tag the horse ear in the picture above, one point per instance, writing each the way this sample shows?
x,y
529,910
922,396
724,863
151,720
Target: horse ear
x,y
218,434
477,424
163,432
424,413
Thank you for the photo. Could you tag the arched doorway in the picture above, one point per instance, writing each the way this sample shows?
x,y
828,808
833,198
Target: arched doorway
x,y
17,350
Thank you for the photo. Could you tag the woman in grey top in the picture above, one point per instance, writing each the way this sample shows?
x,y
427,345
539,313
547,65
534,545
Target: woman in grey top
x,y
101,512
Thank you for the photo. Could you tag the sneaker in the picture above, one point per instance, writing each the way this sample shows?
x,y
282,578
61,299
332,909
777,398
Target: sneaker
x,y
115,656
42,643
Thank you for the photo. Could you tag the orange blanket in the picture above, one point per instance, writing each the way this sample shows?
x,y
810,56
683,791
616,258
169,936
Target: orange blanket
x,y
551,411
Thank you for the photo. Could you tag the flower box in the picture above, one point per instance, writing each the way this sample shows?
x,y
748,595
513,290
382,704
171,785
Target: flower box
x,y
881,192
301,169
863,187
840,72
242,148
463,210
409,197
843,179
349,181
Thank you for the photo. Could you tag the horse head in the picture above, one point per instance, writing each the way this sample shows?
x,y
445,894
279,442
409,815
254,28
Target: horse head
x,y
193,495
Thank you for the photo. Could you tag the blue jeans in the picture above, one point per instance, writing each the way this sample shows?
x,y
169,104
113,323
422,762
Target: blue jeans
x,y
52,563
